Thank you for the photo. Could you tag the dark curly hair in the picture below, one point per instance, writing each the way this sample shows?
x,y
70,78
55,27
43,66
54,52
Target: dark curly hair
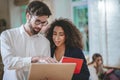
x,y
38,8
73,35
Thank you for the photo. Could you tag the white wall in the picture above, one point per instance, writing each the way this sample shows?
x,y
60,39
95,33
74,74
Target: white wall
x,y
62,8
113,27
15,14
104,27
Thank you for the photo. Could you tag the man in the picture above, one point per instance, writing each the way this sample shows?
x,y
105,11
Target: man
x,y
24,45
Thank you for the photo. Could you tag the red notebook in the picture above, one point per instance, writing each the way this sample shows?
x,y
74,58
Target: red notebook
x,y
78,62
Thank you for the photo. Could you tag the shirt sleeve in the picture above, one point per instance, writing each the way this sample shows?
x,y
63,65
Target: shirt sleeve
x,y
9,58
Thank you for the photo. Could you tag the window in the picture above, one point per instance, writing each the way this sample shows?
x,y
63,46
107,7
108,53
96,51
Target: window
x,y
23,8
80,18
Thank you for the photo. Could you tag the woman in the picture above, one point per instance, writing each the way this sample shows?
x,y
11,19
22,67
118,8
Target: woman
x,y
66,40
96,67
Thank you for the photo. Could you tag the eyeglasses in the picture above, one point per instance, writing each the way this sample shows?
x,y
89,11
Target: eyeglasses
x,y
38,22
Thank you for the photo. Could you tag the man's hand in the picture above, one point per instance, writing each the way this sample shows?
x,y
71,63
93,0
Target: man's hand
x,y
47,60
43,59
35,59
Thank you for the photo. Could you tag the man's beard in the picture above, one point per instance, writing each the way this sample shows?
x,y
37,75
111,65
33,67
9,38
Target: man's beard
x,y
32,30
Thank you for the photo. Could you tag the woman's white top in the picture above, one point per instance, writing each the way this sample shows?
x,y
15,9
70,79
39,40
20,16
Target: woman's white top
x,y
93,74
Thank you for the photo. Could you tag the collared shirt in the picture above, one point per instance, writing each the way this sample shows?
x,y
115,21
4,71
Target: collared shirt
x,y
17,48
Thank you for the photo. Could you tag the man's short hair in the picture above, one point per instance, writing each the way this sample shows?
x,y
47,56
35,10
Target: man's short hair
x,y
38,8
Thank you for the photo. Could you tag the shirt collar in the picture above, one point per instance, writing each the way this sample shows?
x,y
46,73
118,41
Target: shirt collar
x,y
22,30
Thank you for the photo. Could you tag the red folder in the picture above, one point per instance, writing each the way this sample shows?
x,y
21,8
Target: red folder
x,y
78,62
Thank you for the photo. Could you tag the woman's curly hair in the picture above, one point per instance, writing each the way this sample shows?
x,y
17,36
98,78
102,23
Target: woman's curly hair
x,y
73,35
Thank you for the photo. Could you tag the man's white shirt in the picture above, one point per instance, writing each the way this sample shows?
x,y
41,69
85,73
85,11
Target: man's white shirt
x,y
17,48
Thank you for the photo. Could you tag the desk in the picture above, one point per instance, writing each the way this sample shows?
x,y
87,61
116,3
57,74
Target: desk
x,y
112,67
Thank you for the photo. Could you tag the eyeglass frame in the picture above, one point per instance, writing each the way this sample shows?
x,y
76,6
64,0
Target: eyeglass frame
x,y
38,22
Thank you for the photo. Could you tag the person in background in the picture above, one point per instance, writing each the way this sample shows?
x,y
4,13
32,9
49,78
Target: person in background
x,y
66,40
24,45
96,67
